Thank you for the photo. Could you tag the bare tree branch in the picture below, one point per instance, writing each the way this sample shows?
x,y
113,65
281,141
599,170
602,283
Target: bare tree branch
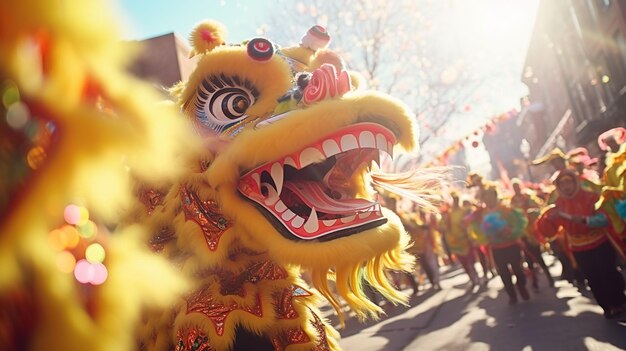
x,y
394,45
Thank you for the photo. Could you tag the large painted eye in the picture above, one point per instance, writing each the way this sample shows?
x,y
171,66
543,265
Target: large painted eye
x,y
222,101
228,104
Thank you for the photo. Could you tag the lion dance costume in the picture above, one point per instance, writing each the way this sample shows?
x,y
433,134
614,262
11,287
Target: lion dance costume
x,y
275,180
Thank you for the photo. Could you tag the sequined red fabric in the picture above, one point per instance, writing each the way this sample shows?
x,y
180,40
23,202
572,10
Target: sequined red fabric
x,y
289,337
202,301
192,340
265,270
158,241
232,284
206,214
283,302
151,198
322,339
298,335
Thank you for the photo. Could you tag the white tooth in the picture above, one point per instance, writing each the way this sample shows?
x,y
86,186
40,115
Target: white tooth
x,y
348,219
390,149
329,222
366,139
378,213
330,147
257,179
272,196
277,176
290,161
310,155
381,142
311,225
280,207
348,142
364,215
288,215
297,222
377,159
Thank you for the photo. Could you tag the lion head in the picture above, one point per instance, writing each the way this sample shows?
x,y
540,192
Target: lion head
x,y
298,143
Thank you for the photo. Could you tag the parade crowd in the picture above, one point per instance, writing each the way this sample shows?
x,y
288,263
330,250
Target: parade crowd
x,y
577,215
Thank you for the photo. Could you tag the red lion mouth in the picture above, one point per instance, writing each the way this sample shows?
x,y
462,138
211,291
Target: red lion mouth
x,y
311,194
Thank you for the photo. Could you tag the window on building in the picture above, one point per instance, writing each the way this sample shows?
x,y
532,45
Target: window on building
x,y
575,21
591,6
593,94
584,103
604,87
616,73
619,39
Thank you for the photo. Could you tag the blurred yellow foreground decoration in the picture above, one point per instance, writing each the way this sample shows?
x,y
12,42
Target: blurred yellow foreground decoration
x,y
74,127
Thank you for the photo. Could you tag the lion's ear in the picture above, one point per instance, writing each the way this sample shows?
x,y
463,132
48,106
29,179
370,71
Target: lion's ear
x,y
325,55
176,91
206,36
357,80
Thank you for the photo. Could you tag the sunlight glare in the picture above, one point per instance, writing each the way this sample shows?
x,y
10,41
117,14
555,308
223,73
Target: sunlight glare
x,y
499,21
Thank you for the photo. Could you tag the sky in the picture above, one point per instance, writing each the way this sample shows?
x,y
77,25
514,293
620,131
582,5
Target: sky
x,y
491,36
146,19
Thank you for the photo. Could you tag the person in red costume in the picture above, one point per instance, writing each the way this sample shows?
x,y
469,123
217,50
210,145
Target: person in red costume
x,y
588,231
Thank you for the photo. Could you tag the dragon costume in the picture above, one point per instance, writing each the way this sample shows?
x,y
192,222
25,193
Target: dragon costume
x,y
266,173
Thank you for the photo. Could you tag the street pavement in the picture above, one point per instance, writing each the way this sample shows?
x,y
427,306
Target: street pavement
x,y
479,319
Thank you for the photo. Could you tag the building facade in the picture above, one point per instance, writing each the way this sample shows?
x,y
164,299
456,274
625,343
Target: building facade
x,y
575,70
163,60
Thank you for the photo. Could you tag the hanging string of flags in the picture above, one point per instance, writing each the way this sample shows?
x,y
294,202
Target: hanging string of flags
x,y
473,139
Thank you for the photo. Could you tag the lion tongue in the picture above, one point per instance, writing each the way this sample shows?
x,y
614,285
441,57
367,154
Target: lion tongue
x,y
314,196
340,175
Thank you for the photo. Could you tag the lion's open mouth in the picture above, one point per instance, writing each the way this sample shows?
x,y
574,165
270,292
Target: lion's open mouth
x,y
310,194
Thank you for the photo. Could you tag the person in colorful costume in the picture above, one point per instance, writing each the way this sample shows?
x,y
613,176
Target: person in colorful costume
x,y
457,237
575,159
504,228
423,246
411,227
560,244
613,199
283,185
588,232
473,221
533,240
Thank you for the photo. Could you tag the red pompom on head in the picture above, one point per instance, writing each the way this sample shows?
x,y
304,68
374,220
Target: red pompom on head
x,y
207,35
